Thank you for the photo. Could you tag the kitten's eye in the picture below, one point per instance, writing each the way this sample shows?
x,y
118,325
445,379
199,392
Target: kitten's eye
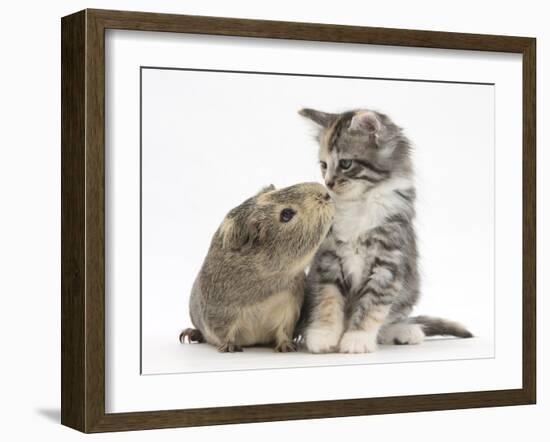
x,y
345,164
323,165
287,215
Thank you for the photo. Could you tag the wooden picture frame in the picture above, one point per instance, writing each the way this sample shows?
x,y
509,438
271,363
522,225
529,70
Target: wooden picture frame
x,y
83,219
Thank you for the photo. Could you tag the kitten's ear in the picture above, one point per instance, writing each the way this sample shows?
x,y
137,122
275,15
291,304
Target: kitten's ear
x,y
366,121
323,119
266,189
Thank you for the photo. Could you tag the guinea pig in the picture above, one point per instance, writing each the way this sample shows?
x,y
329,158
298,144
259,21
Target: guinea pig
x,y
250,288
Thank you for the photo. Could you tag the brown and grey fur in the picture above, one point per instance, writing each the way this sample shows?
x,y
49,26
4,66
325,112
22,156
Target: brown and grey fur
x,y
364,281
250,288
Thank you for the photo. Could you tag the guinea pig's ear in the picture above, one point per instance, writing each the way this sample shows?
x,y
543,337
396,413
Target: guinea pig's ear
x,y
266,189
257,227
323,119
237,235
233,235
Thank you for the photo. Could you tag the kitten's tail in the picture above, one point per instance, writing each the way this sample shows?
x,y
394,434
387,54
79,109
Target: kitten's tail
x,y
440,327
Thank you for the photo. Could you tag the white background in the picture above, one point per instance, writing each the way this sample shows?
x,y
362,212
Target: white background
x,y
30,237
212,139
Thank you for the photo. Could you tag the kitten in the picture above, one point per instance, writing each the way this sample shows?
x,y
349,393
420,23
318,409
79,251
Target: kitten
x,y
363,282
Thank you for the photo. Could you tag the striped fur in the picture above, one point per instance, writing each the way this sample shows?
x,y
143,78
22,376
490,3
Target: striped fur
x,y
440,327
367,265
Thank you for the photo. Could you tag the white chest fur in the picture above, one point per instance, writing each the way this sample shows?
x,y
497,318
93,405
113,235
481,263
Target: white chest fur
x,y
354,219
353,262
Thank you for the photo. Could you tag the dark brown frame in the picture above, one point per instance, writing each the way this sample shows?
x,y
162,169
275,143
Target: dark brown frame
x,y
83,216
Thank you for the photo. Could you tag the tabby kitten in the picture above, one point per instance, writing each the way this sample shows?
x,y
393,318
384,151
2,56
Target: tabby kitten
x,y
363,281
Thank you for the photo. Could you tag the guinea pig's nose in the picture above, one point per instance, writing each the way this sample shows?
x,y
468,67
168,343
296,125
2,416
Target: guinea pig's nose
x,y
326,197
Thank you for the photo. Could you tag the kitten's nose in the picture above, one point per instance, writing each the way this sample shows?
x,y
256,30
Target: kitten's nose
x,y
330,184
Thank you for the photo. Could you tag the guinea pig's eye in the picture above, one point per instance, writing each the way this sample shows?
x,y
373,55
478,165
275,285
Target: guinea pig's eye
x,y
287,215
344,164
323,165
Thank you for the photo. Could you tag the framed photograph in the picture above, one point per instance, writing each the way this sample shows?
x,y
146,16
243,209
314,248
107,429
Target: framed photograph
x,y
269,220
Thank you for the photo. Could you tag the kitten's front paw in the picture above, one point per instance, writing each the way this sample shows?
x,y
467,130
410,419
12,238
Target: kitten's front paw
x,y
358,342
322,340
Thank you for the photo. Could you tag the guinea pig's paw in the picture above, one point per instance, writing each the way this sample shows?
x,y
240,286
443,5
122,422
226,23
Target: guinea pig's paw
x,y
285,347
358,341
322,340
192,335
228,347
